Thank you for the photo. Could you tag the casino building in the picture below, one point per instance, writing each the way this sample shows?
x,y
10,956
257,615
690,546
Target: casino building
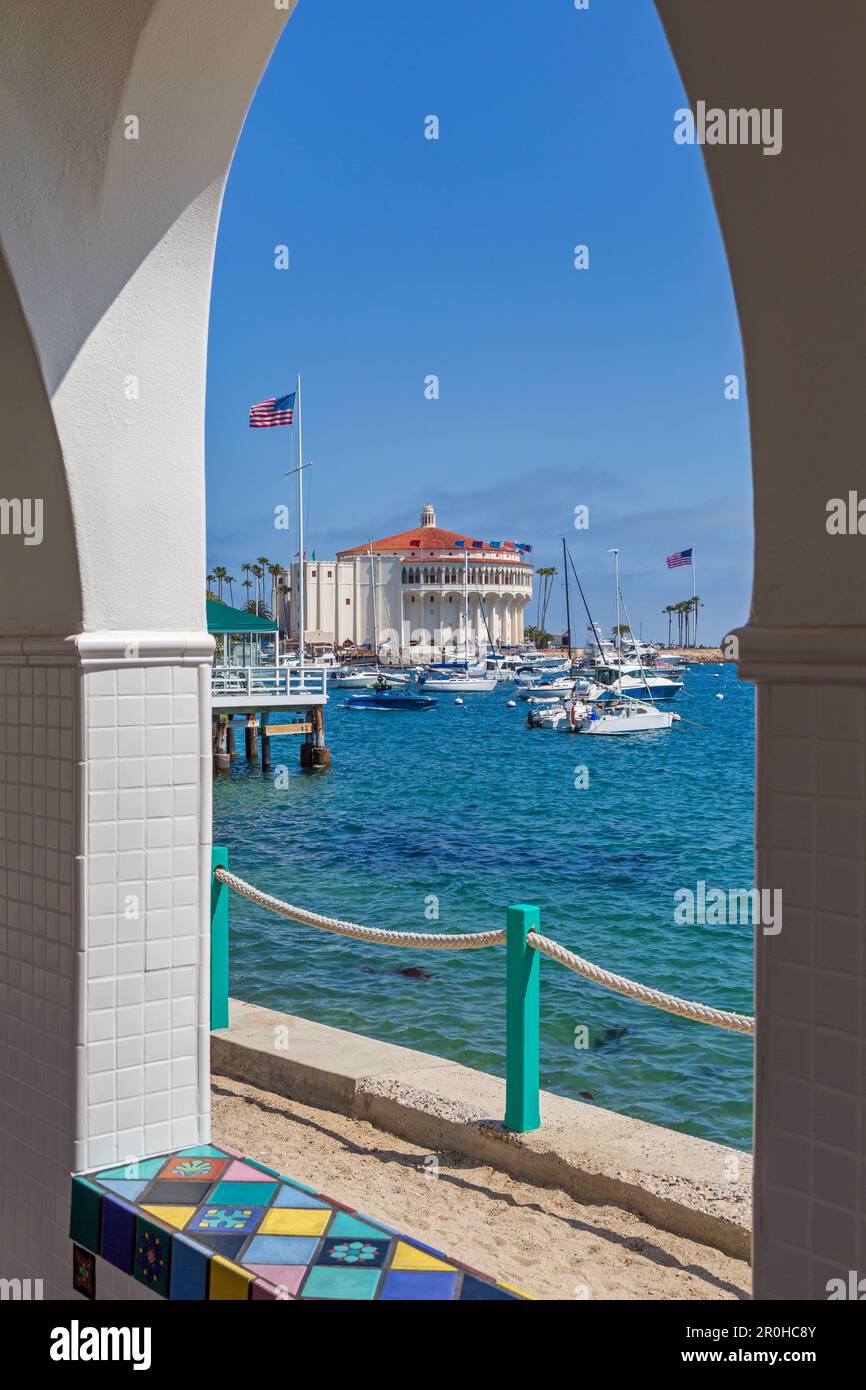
x,y
408,588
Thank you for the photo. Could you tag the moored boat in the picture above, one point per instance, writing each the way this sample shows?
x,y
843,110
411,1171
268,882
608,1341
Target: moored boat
x,y
389,699
625,716
456,683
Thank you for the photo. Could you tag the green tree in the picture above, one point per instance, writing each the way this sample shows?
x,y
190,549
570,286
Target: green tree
x,y
537,635
220,574
547,573
258,575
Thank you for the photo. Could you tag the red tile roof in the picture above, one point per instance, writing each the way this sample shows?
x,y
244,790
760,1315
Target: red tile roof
x,y
425,538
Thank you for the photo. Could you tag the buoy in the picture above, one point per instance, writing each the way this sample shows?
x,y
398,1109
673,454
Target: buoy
x,y
458,701
720,696
512,704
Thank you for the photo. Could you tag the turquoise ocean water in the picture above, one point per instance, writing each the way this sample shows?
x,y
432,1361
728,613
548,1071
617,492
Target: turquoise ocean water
x,y
467,805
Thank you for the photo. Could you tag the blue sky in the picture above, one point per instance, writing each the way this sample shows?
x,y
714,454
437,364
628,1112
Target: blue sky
x,y
411,257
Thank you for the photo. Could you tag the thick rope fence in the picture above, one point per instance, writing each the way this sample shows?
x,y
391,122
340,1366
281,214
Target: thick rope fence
x,y
701,1013
434,941
468,941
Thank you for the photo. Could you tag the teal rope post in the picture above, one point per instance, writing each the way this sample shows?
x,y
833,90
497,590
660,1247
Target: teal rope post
x,y
219,943
522,975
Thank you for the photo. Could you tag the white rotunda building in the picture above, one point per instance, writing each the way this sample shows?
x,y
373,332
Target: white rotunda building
x,y
406,592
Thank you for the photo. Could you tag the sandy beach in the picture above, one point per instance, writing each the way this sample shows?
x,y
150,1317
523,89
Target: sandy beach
x,y
539,1239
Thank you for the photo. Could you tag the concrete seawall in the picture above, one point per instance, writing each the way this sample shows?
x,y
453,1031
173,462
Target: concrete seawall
x,y
686,1185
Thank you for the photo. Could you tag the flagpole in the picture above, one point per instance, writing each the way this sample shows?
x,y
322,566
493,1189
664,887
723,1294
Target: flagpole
x,y
694,596
301,557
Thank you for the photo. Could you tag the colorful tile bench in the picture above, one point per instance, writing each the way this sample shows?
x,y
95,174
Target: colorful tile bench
x,y
207,1223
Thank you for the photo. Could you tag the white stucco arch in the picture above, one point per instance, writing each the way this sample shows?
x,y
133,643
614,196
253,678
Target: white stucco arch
x,y
106,249
793,227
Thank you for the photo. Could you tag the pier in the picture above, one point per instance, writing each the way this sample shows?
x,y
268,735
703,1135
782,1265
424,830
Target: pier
x,y
248,681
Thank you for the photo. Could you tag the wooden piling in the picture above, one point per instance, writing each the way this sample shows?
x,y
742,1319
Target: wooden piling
x,y
251,731
315,757
266,741
221,758
230,738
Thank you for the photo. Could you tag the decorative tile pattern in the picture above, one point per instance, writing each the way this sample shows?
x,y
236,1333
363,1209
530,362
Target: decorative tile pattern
x,y
251,1234
83,1272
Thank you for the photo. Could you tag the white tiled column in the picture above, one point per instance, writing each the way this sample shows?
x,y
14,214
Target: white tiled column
x,y
104,922
810,1120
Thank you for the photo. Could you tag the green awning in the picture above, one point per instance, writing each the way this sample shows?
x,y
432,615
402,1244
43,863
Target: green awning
x,y
221,620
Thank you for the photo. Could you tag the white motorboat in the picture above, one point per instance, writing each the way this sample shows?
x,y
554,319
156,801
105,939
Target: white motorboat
x,y
548,691
562,718
527,674
625,716
506,667
365,677
457,683
632,678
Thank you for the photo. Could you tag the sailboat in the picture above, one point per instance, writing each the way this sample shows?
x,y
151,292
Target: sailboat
x,y
613,711
625,716
461,680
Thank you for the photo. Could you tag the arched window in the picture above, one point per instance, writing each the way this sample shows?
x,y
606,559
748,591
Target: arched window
x,y
404,574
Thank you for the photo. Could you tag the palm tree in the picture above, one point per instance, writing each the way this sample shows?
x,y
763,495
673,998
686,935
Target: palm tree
x,y
258,574
262,561
274,570
547,573
230,580
696,604
684,608
220,574
248,584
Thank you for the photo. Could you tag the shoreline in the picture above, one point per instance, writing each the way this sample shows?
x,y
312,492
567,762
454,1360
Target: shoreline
x,y
690,1187
537,1238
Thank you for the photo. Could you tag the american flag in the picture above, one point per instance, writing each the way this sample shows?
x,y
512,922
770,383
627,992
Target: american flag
x,y
680,557
279,410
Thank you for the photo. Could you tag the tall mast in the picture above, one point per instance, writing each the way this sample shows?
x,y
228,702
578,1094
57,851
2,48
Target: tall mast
x,y
301,556
615,554
466,608
567,600
373,605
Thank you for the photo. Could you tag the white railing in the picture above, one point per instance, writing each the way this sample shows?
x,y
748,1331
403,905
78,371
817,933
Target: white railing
x,y
269,680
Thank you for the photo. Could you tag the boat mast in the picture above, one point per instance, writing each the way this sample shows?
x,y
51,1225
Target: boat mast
x,y
644,675
586,606
302,557
615,554
466,610
567,600
373,604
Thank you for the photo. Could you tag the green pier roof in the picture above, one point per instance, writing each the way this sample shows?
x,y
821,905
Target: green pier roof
x,y
221,619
